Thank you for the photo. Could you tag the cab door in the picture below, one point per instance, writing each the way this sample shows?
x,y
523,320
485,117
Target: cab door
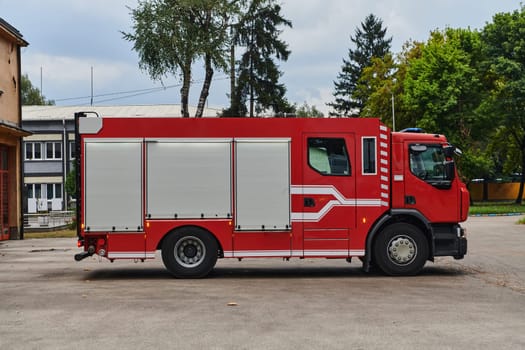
x,y
328,194
428,188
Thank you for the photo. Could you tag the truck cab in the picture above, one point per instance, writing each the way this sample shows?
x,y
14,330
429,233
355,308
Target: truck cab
x,y
427,197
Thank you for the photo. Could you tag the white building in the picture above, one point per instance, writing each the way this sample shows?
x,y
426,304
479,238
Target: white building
x,y
49,151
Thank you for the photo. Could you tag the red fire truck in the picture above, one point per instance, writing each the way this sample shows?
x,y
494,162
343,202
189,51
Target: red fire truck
x,y
209,188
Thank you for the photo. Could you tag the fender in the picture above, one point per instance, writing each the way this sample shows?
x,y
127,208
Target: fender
x,y
396,215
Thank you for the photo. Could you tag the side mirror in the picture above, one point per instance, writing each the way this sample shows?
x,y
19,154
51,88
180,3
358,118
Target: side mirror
x,y
450,170
449,151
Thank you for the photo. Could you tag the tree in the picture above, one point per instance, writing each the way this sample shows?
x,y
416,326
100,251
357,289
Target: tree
x,y
505,50
379,82
258,75
444,85
170,35
32,96
384,79
71,181
444,88
370,42
306,111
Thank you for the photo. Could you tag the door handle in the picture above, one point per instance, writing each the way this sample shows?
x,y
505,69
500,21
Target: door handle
x,y
309,202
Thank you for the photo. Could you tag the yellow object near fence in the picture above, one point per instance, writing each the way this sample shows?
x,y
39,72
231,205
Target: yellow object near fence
x,y
495,191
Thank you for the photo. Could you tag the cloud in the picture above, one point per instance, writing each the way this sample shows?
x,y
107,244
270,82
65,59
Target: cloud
x,y
65,70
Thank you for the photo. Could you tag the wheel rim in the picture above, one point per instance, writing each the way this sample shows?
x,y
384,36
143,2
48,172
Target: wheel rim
x,y
189,251
402,250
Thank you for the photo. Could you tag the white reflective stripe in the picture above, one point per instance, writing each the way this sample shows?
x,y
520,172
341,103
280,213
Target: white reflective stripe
x,y
382,127
357,252
398,177
383,136
131,255
339,201
340,252
293,253
260,253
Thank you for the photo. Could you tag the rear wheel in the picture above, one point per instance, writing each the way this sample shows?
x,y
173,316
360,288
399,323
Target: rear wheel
x,y
189,252
401,249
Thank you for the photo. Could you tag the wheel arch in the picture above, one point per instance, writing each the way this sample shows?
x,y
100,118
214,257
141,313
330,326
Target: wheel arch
x,y
409,216
175,229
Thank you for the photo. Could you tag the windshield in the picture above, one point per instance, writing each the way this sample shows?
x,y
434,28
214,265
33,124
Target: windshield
x,y
428,162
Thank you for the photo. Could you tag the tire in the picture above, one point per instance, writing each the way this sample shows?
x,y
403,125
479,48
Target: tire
x,y
401,250
189,252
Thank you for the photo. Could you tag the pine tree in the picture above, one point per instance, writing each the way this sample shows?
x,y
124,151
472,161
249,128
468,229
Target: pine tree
x,y
258,75
370,42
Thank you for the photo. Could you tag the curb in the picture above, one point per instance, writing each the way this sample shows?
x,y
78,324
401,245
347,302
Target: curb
x,y
502,214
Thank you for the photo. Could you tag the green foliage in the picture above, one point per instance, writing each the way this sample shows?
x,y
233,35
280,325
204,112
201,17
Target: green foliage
x,y
351,93
505,71
307,111
378,82
258,75
443,85
491,208
443,89
384,79
71,182
32,96
170,35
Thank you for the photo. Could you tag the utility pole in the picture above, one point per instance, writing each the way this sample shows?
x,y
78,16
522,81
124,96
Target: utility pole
x,y
393,114
91,85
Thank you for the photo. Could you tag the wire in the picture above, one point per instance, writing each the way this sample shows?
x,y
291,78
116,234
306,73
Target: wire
x,y
131,93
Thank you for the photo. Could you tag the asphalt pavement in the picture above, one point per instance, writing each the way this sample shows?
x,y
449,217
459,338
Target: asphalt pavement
x,y
49,301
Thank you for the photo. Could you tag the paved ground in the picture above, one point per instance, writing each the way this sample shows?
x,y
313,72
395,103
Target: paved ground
x,y
49,301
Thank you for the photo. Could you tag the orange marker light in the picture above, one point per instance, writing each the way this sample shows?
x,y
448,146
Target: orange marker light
x,y
364,220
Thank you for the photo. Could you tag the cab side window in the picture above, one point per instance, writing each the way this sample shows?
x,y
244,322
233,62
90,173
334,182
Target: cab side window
x,y
329,156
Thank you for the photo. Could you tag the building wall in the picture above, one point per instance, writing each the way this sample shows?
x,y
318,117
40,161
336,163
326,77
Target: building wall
x,y
44,178
10,131
9,84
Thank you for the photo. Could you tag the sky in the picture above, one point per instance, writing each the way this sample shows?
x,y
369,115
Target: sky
x,y
69,39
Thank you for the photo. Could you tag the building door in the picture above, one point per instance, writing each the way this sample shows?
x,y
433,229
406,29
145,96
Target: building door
x,y
4,202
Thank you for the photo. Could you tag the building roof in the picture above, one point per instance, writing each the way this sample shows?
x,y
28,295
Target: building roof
x,y
13,129
12,32
60,112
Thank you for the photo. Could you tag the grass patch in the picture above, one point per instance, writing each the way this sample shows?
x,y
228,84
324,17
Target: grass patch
x,y
51,234
496,208
521,221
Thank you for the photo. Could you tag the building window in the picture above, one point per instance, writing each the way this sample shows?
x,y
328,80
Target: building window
x,y
71,149
53,150
369,155
33,150
328,156
54,191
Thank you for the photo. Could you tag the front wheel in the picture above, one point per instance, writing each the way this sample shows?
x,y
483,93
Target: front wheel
x,y
401,249
189,252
